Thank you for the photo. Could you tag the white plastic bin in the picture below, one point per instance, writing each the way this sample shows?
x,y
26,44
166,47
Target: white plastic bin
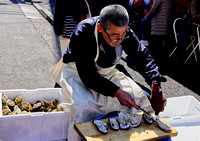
x,y
183,113
38,126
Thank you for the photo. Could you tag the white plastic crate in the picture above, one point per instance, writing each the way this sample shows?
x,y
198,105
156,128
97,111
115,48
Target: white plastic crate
x,y
38,126
183,113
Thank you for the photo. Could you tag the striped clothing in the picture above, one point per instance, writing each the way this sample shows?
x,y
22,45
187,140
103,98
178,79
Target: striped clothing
x,y
162,15
69,25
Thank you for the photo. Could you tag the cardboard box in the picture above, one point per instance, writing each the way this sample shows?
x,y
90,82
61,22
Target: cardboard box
x,y
183,113
38,126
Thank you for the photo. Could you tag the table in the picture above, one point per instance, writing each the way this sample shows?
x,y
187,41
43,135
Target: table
x,y
88,131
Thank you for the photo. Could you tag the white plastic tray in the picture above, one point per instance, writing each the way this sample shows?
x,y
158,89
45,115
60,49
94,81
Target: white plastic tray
x,y
40,126
183,113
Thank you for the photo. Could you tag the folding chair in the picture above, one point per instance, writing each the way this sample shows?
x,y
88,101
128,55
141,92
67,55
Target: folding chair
x,y
176,26
176,34
198,43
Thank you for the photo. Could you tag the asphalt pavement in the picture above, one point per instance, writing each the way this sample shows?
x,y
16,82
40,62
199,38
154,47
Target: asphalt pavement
x,y
30,49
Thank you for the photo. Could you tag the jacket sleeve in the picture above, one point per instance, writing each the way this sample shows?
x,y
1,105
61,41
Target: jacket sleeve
x,y
140,57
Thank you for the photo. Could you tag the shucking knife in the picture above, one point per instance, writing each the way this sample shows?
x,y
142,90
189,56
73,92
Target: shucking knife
x,y
156,119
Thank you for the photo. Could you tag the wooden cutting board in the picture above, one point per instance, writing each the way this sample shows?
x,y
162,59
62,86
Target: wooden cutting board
x,y
88,131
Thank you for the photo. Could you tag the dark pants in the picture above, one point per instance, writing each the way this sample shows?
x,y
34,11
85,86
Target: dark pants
x,y
146,28
160,47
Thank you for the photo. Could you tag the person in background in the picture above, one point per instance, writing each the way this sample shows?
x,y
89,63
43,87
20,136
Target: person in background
x,y
146,23
162,15
195,11
92,86
66,15
95,10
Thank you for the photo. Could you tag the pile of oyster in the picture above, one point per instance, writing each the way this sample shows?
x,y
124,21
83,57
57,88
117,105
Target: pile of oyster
x,y
123,121
16,106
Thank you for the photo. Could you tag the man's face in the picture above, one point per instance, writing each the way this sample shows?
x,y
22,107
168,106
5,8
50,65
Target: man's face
x,y
115,35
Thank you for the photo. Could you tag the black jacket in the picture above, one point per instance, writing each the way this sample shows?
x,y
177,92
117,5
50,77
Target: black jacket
x,y
83,49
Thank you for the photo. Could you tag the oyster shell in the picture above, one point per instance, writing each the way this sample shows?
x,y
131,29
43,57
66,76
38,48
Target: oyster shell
x,y
18,100
101,126
6,110
113,123
147,118
134,121
123,119
54,103
17,110
46,103
11,103
26,106
37,106
4,99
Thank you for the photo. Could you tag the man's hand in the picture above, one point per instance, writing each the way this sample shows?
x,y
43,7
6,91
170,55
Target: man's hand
x,y
158,100
125,99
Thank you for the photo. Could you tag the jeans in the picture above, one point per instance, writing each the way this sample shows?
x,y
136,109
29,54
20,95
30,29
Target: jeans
x,y
146,28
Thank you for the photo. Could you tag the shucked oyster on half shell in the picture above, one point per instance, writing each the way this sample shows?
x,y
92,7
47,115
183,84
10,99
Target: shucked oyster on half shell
x,y
101,126
147,118
123,119
134,121
113,123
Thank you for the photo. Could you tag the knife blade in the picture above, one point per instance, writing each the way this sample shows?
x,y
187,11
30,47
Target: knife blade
x,y
156,119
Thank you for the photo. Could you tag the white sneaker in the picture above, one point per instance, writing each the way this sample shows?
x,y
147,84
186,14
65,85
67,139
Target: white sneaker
x,y
144,42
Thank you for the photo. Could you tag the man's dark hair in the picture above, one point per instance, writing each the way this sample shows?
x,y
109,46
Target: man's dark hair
x,y
115,14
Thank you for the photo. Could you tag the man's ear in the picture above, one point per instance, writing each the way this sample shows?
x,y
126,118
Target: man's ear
x,y
99,27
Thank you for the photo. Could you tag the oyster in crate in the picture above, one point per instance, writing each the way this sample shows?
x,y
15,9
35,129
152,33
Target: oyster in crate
x,y
101,126
26,106
6,110
17,110
4,99
54,103
134,120
113,123
123,119
37,106
11,103
46,103
18,100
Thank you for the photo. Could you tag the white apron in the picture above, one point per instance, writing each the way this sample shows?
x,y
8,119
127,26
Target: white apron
x,y
85,104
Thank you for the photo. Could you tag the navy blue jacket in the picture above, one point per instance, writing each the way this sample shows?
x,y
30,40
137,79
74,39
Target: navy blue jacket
x,y
83,49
